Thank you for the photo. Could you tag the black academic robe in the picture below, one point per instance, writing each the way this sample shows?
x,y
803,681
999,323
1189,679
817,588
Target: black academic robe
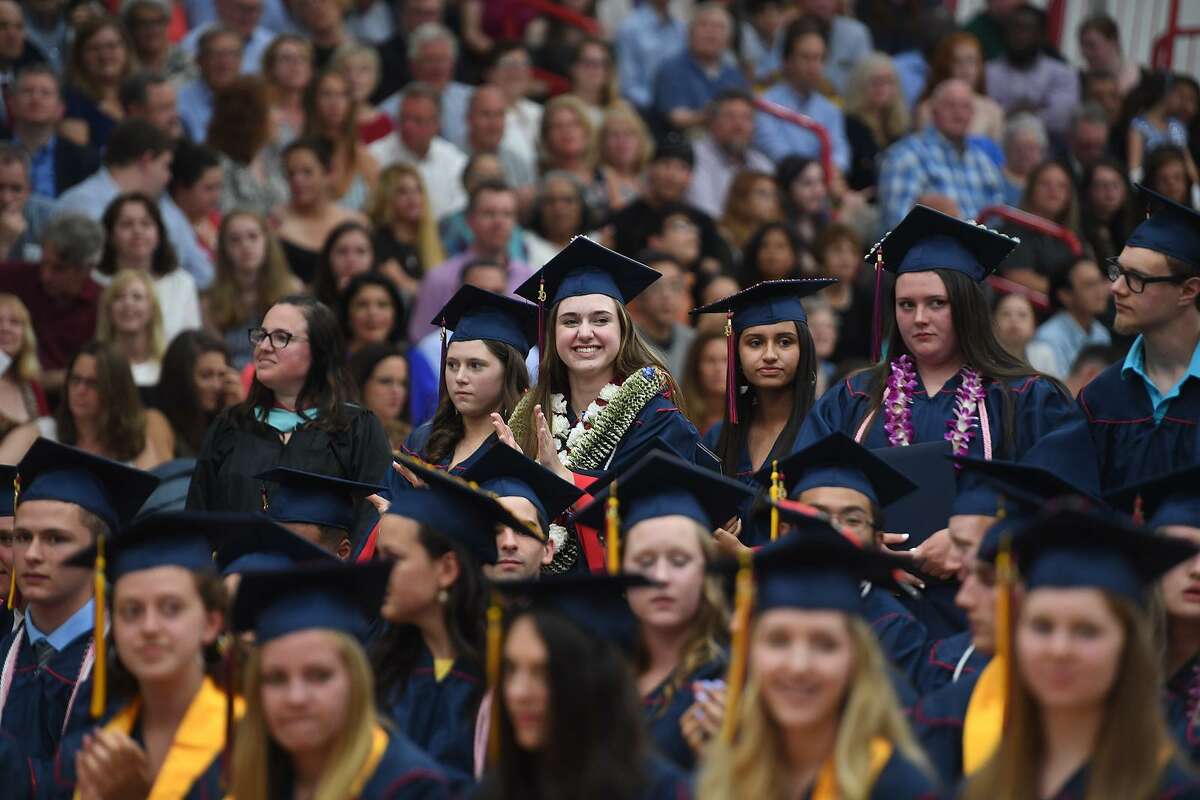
x,y
663,712
1177,782
755,531
1181,695
1129,445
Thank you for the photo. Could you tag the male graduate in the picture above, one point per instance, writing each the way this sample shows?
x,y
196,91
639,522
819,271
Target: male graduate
x,y
1143,412
68,500
315,507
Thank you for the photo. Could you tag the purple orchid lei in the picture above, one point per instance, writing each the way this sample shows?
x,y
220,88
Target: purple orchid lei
x,y
960,428
897,406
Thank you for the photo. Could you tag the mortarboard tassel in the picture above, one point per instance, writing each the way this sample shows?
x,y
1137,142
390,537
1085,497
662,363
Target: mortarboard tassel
x,y
1005,578
266,500
231,670
541,322
495,645
442,388
877,310
730,371
612,531
776,485
735,680
100,670
12,571
1139,513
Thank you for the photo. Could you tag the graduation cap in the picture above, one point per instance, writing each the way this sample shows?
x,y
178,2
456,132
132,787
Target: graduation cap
x,y
455,508
764,303
1072,547
837,460
1169,499
474,313
313,498
506,472
926,239
254,543
339,597
106,488
1171,229
8,477
988,486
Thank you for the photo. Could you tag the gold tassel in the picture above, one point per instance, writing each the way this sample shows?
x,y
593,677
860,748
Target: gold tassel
x,y
100,669
735,681
775,491
1139,513
612,531
12,572
1005,578
495,645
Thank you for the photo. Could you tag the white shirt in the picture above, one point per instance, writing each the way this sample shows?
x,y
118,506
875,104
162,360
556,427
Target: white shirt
x,y
177,301
440,169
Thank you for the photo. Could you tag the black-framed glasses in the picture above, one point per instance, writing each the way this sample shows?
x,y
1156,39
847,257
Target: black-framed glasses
x,y
279,339
1136,281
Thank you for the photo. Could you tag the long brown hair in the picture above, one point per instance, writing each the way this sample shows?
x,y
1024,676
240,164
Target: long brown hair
x,y
342,142
1127,756
241,119
1069,218
632,354
447,427
224,305
736,221
122,418
77,74
942,66
693,390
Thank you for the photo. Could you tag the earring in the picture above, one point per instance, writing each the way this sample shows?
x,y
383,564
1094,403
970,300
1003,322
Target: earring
x,y
443,597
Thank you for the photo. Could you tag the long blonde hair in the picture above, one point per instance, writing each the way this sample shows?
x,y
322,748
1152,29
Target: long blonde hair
x,y
224,303
575,106
894,122
26,366
379,210
1127,756
120,282
754,765
258,762
632,354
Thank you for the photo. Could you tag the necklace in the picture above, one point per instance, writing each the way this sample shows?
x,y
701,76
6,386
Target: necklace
x,y
897,406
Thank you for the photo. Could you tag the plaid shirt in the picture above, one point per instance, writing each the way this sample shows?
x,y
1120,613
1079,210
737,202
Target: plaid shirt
x,y
927,163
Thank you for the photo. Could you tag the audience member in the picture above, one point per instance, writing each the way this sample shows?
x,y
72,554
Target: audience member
x,y
1049,194
453,230
433,53
1079,295
568,144
131,321
22,400
1105,208
197,383
1087,138
22,213
287,67
1025,146
1168,173
405,232
35,109
839,252
876,117
240,133
625,148
322,21
331,114
648,36
381,372
806,204
988,26
1100,46
558,215
592,74
151,96
849,40
48,31
360,65
195,187
678,237
346,253
659,311
1026,78
1013,322
1102,89
371,312
960,56
243,17
393,54
703,378
149,26
219,53
510,73
686,82
1153,126
773,253
101,59
485,135
16,52
724,151
752,202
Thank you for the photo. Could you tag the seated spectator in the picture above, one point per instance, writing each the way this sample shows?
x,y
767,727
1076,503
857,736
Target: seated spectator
x,y
243,17
1079,294
553,42
593,78
131,321
453,230
1051,195
432,55
252,275
1101,88
287,67
559,214
1026,78
330,114
568,144
195,187
59,292
988,26
823,328
405,233
1014,323
703,378
22,400
679,237
876,117
804,52
511,73
197,383
1100,46
752,202
839,251
151,96
773,253
724,151
371,312
647,36
805,203
625,149
1025,147
485,136
659,312
1087,139
381,373
393,54
346,254
22,214
1106,208
310,215
138,159
491,216
47,33
709,289
149,23
1091,361
849,40
35,109
960,56
101,58
940,165
101,412
240,133
360,65
324,23
218,55
686,82
136,239
1167,172
416,142
1153,126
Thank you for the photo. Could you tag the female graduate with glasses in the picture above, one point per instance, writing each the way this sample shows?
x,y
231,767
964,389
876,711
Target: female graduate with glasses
x,y
310,727
1084,718
483,375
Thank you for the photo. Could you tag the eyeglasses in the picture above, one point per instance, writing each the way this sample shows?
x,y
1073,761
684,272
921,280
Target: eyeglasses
x,y
1136,281
854,520
279,339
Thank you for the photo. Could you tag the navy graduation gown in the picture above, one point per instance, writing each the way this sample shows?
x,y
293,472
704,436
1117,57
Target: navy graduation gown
x,y
664,781
418,440
900,779
405,771
36,708
1177,782
937,720
1180,707
664,713
1129,445
439,716
659,417
942,660
755,532
900,634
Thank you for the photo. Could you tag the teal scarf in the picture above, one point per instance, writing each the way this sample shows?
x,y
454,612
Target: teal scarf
x,y
283,420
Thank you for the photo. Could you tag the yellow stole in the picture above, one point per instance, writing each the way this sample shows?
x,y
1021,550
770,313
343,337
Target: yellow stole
x,y
199,740
826,785
379,743
984,722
